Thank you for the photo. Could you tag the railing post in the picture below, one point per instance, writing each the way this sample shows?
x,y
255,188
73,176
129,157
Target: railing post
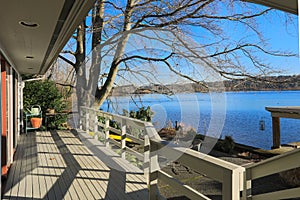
x,y
276,132
231,185
123,139
80,118
87,121
247,190
96,136
146,158
153,175
106,129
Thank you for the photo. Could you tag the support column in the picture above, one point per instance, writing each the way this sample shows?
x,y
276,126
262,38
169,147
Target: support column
x,y
123,139
276,132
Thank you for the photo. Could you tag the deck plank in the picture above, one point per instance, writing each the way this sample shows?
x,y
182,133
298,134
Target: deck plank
x,y
55,168
31,159
75,191
87,176
45,165
57,165
11,185
81,155
120,169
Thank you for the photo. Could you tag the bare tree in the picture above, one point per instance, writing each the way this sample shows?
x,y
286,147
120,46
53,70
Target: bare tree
x,y
170,24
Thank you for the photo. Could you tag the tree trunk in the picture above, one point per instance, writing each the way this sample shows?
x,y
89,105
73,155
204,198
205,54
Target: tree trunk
x,y
79,65
97,18
105,90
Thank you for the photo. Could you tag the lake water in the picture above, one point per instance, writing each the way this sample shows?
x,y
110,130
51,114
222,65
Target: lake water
x,y
237,114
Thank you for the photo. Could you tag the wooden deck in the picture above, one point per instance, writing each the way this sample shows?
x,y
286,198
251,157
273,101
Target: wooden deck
x,y
57,165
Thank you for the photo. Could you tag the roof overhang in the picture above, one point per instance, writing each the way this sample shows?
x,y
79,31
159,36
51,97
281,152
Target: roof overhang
x,y
290,6
33,32
32,50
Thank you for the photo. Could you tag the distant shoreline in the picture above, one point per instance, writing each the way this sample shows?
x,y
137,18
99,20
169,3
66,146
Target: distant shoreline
x,y
191,92
278,83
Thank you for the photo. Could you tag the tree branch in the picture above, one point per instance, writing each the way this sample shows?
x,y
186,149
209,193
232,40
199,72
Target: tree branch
x,y
69,52
67,60
65,85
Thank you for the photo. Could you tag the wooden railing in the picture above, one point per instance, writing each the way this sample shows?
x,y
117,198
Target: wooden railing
x,y
98,123
229,174
236,180
280,163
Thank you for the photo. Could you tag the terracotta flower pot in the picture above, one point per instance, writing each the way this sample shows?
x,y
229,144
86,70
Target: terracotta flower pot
x,y
36,122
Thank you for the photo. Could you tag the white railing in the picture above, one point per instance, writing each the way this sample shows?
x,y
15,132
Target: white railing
x,y
229,174
97,122
235,179
280,163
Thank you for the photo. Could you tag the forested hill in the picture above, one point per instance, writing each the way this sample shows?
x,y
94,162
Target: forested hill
x,y
267,83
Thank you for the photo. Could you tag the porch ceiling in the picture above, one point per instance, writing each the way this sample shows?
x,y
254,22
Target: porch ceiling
x,y
33,32
290,6
31,50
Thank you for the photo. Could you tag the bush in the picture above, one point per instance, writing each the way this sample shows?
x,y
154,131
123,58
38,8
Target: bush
x,y
144,114
227,145
46,95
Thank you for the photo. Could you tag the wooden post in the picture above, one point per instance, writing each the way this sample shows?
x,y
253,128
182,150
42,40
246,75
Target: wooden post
x,y
247,191
87,124
231,185
146,158
87,129
123,139
106,129
153,175
80,118
276,132
96,136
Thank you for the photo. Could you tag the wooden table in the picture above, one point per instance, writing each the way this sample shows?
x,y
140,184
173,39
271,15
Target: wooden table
x,y
281,112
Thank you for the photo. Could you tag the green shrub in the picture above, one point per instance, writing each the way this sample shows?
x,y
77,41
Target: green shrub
x,y
144,114
46,95
227,145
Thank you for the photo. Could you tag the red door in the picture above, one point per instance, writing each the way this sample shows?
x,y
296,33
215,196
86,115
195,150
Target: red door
x,y
3,118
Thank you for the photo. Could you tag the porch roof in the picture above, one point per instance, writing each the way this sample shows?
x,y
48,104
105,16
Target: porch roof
x,y
33,32
290,6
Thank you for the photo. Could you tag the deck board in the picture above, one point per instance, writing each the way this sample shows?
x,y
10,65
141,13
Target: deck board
x,y
13,178
120,170
58,165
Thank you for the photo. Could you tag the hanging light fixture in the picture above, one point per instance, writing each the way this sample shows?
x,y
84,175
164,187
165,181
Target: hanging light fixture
x,y
262,125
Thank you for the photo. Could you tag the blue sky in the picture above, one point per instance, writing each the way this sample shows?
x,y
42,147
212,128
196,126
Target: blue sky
x,y
279,34
284,37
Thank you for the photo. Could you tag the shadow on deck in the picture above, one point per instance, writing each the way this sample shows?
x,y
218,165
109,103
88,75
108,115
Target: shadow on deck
x,y
57,165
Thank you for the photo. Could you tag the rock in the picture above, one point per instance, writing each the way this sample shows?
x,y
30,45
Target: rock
x,y
167,133
244,154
